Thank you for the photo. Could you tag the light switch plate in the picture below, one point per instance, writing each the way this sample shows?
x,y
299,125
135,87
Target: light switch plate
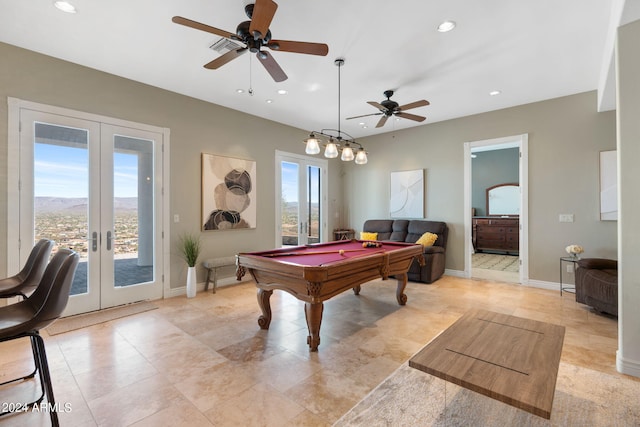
x,y
566,217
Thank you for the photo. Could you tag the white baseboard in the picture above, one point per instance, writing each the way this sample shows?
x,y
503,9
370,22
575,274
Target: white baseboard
x,y
226,281
454,273
626,366
551,286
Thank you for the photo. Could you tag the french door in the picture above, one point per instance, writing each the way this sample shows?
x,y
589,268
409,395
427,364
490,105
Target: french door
x,y
301,190
94,187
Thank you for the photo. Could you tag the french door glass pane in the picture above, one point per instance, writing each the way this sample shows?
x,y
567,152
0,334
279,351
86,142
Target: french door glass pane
x,y
313,204
61,189
290,216
133,187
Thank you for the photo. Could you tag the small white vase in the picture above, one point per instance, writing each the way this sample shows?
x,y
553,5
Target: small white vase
x,y
191,282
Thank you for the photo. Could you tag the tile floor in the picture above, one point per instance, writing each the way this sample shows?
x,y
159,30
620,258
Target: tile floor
x,y
205,362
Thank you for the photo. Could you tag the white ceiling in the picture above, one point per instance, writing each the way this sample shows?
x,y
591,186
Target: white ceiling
x,y
531,50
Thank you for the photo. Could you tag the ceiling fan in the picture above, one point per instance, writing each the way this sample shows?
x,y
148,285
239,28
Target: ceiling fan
x,y
255,34
388,108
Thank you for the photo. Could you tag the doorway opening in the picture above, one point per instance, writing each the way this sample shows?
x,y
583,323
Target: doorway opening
x,y
92,184
496,209
301,207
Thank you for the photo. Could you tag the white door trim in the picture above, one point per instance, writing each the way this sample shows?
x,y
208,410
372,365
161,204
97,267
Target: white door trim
x,y
520,141
307,160
15,258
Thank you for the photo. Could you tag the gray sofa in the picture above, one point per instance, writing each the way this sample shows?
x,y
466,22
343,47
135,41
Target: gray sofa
x,y
405,230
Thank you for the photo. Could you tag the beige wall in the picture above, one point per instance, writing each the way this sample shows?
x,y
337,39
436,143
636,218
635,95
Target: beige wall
x,y
195,127
565,137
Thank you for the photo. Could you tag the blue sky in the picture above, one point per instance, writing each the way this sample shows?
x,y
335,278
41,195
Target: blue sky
x,y
63,172
290,181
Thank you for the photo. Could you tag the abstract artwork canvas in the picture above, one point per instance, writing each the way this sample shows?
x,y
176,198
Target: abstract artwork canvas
x,y
228,193
407,194
608,186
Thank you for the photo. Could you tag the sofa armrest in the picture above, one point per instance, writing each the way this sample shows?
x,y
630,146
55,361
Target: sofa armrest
x,y
433,250
598,263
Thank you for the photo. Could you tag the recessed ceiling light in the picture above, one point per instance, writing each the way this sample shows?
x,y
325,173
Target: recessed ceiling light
x,y
282,92
269,101
446,26
495,92
65,6
239,90
361,123
365,127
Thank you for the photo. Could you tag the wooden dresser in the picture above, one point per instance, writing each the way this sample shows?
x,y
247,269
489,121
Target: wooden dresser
x,y
496,234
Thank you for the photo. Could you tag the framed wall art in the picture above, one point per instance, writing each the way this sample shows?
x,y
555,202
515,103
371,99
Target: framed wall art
x,y
407,194
228,193
608,186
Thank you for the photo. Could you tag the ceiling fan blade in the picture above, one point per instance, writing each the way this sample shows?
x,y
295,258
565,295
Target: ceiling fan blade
x,y
382,121
263,12
227,57
272,66
410,116
422,103
364,115
377,105
203,27
320,49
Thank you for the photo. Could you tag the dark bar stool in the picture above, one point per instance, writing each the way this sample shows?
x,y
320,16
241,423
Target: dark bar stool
x,y
27,317
29,277
26,281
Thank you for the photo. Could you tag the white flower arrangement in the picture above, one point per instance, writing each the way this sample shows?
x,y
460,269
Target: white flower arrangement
x,y
574,250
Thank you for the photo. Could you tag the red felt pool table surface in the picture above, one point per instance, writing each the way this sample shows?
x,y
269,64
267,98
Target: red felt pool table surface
x,y
326,253
315,273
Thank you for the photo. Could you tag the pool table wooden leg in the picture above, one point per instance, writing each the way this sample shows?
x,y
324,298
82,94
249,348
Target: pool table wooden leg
x,y
265,306
402,283
313,313
356,290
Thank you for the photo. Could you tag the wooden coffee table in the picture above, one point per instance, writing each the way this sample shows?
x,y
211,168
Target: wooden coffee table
x,y
510,359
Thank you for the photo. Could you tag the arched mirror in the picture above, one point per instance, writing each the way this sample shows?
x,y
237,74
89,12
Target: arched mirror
x,y
503,199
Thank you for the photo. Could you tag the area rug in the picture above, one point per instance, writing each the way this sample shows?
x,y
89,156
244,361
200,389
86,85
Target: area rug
x,y
495,262
409,397
79,321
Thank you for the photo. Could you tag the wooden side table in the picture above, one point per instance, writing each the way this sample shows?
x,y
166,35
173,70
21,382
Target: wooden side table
x,y
344,234
570,289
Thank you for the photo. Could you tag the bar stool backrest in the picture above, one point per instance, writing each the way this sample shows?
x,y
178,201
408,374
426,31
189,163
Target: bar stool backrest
x,y
50,297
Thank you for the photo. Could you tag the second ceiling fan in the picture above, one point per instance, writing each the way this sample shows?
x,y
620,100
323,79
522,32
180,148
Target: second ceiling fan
x,y
390,108
255,35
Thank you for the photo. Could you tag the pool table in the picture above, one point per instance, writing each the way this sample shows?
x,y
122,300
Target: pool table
x,y
315,273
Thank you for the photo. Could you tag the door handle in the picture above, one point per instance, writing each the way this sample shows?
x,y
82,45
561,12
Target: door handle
x,y
109,239
94,241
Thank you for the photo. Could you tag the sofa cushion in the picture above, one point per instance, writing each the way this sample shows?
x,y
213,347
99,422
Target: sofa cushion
x,y
399,230
427,239
365,235
417,228
384,227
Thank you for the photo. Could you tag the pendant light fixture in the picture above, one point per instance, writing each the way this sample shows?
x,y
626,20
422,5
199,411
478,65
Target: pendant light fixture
x,y
336,142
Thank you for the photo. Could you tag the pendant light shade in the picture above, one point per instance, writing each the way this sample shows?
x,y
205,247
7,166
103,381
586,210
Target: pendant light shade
x,y
313,145
347,153
331,150
361,157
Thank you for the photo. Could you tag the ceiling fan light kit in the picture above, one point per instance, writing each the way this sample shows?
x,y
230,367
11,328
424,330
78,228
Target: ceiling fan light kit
x,y
253,35
336,141
390,108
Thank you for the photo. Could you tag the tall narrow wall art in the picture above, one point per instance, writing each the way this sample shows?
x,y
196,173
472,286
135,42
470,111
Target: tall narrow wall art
x,y
228,193
407,194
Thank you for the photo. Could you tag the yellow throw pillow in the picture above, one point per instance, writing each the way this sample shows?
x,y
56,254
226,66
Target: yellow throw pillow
x,y
427,239
368,236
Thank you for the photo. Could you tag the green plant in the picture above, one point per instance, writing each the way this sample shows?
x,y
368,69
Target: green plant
x,y
189,246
